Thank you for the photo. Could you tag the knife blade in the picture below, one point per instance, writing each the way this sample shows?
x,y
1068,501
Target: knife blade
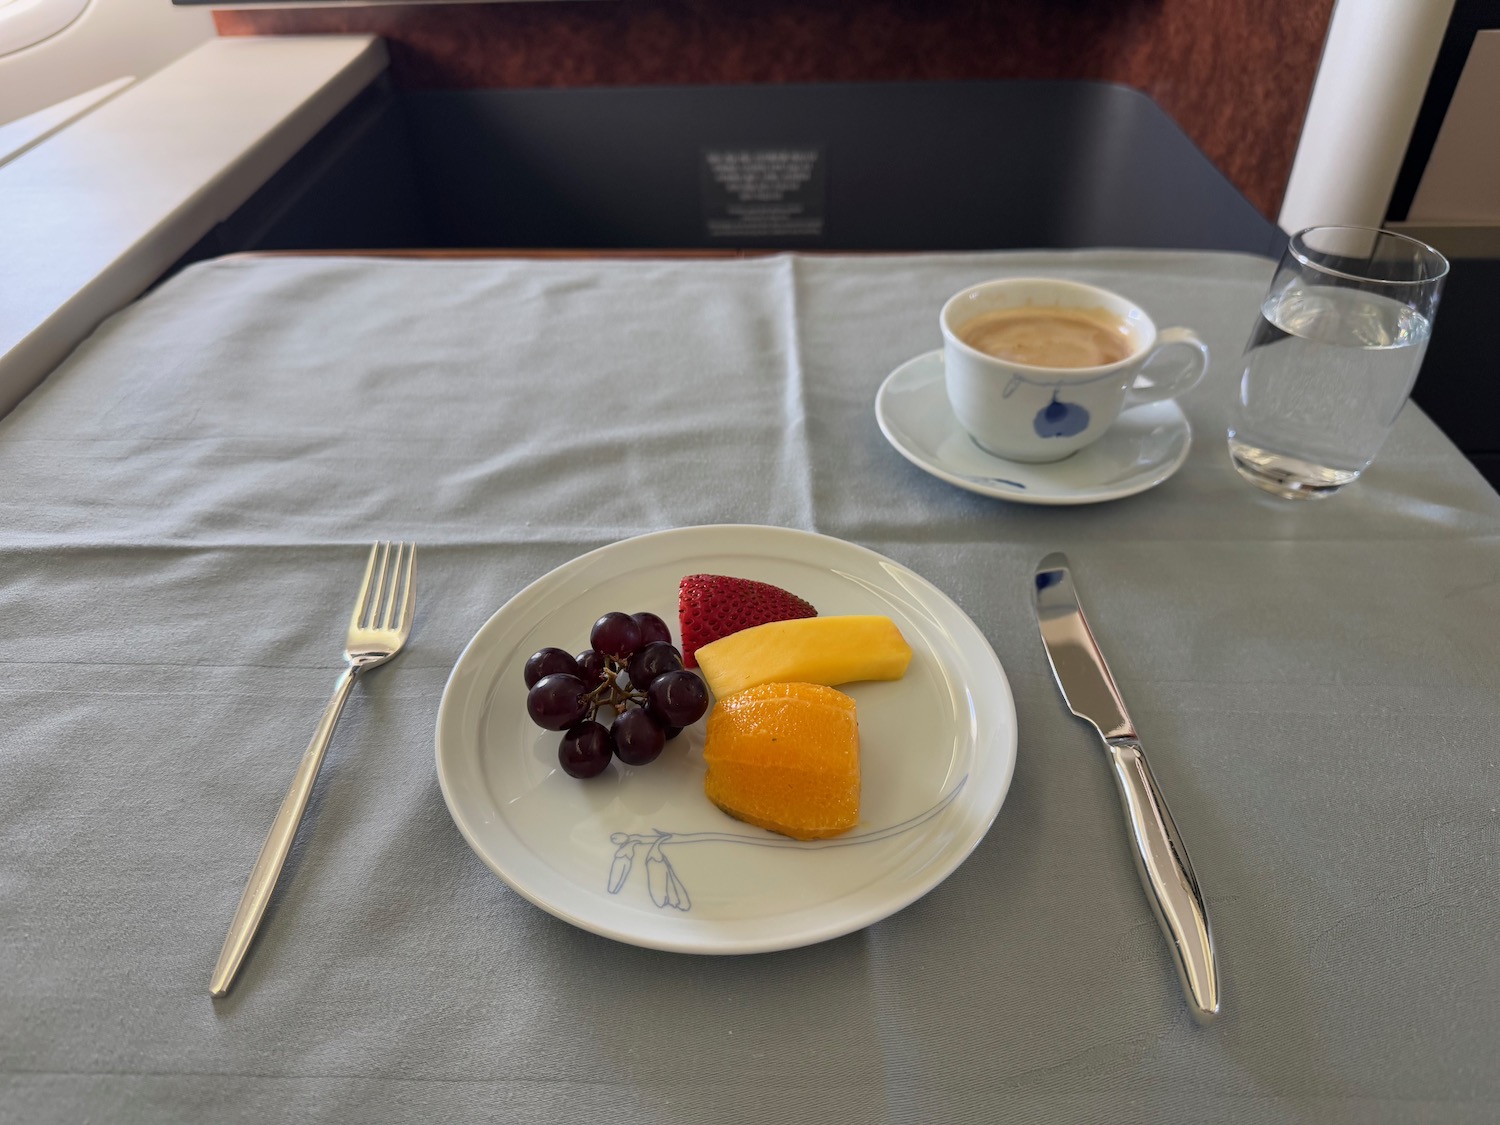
x,y
1089,690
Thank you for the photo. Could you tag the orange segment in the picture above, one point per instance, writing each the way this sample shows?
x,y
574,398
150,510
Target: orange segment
x,y
785,757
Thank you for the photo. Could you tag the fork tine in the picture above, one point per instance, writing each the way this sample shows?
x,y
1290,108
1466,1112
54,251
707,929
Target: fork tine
x,y
364,590
389,595
408,592
381,595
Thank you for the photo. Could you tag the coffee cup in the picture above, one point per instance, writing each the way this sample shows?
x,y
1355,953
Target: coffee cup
x,y
1038,368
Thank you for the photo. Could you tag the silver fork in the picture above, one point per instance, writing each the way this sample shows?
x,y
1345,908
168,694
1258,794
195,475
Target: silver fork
x,y
377,631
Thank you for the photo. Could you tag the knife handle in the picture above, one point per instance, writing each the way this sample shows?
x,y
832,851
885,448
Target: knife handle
x,y
1168,877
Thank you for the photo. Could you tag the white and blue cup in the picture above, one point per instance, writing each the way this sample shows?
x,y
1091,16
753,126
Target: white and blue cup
x,y
1025,412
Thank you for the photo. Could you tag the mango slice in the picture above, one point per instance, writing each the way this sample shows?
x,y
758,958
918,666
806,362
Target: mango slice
x,y
814,650
785,757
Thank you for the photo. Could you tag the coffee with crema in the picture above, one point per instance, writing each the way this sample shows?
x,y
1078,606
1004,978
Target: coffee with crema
x,y
1050,336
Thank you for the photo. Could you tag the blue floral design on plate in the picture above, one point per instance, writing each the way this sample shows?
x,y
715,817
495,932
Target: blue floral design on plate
x,y
667,890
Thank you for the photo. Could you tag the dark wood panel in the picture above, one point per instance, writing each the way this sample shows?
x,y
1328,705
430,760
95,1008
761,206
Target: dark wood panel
x,y
1236,76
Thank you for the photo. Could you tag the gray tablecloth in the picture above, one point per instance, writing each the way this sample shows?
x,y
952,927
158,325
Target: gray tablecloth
x,y
186,503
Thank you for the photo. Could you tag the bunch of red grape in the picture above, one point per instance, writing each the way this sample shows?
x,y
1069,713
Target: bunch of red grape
x,y
631,668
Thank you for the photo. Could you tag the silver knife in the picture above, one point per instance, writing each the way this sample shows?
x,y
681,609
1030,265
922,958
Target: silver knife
x,y
1161,859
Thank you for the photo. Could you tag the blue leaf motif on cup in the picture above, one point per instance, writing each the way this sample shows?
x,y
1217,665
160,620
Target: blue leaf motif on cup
x,y
1060,419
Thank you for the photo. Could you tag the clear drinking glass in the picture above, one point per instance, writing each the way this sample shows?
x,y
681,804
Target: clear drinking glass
x,y
1332,359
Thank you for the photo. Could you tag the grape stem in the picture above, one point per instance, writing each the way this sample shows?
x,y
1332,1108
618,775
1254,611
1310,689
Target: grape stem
x,y
610,693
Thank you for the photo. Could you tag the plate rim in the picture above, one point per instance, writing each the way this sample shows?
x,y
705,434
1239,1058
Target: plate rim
x,y
693,940
1147,482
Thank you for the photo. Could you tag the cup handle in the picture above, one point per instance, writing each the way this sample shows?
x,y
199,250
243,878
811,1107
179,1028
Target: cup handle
x,y
1154,389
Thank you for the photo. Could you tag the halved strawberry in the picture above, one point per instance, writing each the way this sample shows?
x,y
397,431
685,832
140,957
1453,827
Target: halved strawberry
x,y
710,606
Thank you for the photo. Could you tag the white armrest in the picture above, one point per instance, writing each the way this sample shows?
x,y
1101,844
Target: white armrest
x,y
98,211
27,132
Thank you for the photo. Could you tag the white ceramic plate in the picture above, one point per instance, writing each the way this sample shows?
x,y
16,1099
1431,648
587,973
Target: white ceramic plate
x,y
639,854
1145,446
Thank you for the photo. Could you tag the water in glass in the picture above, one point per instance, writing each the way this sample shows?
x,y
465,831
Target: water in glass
x,y
1325,373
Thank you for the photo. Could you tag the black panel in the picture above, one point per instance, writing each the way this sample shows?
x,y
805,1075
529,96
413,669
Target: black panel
x,y
1457,386
909,166
1489,465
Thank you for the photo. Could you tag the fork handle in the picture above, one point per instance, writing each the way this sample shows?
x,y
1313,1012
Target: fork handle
x,y
278,843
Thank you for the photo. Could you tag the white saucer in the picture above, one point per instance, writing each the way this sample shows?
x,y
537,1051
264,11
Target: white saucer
x,y
1143,448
